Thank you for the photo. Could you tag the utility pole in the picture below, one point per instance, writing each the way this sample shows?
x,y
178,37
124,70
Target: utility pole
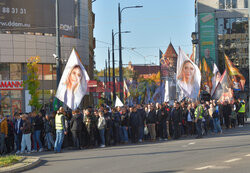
x,y
109,93
58,49
120,54
113,61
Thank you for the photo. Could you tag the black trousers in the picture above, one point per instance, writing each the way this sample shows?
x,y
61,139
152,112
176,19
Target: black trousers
x,y
134,134
177,130
77,138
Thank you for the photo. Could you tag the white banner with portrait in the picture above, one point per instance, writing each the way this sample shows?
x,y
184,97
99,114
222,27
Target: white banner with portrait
x,y
73,84
188,76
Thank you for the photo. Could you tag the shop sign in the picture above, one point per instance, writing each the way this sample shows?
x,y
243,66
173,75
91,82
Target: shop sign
x,y
11,84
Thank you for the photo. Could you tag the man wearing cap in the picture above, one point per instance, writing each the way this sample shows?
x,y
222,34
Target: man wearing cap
x,y
60,129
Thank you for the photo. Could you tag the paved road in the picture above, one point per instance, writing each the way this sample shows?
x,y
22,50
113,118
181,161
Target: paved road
x,y
229,152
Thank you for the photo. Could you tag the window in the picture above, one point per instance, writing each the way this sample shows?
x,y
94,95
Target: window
x,y
4,71
47,72
15,72
228,4
222,4
245,3
234,3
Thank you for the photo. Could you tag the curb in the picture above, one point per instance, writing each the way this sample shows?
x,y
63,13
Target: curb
x,y
22,165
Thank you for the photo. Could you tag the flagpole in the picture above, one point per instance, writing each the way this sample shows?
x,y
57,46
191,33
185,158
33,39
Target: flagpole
x,y
160,56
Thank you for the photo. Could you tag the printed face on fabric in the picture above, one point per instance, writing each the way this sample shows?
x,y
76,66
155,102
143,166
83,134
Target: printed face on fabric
x,y
188,71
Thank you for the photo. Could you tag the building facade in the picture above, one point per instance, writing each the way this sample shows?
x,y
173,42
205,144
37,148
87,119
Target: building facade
x,y
222,27
28,30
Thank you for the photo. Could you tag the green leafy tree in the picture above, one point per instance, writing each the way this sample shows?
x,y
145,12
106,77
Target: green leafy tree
x,y
33,83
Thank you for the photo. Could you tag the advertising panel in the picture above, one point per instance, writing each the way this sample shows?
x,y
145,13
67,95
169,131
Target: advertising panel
x,y
207,38
37,16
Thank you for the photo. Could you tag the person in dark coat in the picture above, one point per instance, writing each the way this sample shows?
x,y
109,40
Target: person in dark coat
x,y
48,132
108,127
142,121
134,124
227,111
76,128
151,121
124,126
177,120
38,127
18,132
162,118
116,125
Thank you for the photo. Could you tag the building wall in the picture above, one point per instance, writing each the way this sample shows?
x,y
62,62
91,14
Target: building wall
x,y
15,49
229,39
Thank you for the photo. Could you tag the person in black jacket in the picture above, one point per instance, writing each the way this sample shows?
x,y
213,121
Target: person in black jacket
x,y
108,127
177,120
134,124
151,120
76,128
226,109
124,126
48,132
142,121
116,125
37,126
162,118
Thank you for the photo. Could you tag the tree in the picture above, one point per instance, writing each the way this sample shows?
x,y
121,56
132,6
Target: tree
x,y
33,83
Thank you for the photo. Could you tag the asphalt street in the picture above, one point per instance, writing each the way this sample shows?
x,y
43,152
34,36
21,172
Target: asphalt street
x,y
229,152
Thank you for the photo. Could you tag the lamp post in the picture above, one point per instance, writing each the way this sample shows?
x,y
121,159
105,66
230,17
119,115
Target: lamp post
x,y
58,49
120,47
113,60
195,42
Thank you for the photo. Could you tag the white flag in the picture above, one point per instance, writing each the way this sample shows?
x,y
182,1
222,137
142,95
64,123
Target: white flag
x,y
188,76
74,82
118,102
215,79
166,95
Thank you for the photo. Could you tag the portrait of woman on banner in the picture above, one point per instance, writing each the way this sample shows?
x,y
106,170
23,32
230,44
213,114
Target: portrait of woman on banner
x,y
188,79
71,91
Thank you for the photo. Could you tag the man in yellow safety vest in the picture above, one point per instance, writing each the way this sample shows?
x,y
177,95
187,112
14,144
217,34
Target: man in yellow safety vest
x,y
242,112
60,129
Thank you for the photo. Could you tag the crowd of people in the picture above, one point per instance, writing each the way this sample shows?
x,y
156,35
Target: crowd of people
x,y
106,126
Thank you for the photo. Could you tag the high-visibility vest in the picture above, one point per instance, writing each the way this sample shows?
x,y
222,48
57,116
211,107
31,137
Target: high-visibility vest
x,y
242,108
58,121
199,110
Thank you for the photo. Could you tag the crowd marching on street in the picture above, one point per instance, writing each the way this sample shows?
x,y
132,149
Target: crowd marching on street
x,y
106,126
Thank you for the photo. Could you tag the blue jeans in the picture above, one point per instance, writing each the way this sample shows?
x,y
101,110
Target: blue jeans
x,y
217,127
49,140
124,134
18,140
198,128
101,132
36,138
26,142
59,140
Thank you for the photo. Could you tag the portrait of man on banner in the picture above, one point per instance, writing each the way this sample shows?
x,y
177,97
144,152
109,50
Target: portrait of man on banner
x,y
188,76
73,83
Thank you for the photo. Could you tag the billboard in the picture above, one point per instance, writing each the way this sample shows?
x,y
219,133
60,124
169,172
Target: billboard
x,y
207,38
22,16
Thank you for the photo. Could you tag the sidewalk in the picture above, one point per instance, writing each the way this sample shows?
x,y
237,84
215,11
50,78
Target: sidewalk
x,y
24,164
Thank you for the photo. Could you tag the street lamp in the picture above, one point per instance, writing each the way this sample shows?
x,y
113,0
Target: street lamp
x,y
113,59
58,48
195,42
120,47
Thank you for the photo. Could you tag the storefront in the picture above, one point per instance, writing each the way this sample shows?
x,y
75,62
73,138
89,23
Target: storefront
x,y
14,97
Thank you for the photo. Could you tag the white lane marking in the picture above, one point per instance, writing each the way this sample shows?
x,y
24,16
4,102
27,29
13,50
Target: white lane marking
x,y
233,160
248,155
205,167
211,167
191,143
